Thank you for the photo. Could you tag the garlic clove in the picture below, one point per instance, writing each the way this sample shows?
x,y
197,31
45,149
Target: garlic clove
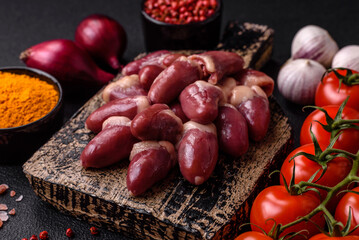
x,y
298,79
347,57
314,42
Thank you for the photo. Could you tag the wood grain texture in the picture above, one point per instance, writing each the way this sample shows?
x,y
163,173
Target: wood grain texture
x,y
173,208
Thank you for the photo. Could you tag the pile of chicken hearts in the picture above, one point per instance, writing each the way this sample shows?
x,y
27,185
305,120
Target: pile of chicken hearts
x,y
170,107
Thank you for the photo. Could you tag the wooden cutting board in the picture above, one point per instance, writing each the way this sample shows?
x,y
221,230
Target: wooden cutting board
x,y
173,208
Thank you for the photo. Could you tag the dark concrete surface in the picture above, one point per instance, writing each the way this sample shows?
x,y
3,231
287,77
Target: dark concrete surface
x,y
25,23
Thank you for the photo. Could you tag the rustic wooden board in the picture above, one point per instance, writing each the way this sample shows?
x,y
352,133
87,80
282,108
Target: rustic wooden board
x,y
173,208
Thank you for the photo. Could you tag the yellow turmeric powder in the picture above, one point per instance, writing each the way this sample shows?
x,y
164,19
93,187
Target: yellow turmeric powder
x,y
24,99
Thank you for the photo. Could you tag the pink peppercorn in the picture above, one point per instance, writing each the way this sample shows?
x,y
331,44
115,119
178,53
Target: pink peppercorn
x,y
69,232
43,235
94,230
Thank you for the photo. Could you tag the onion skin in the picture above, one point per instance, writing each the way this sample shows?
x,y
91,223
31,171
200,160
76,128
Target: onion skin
x,y
68,63
347,57
298,79
103,38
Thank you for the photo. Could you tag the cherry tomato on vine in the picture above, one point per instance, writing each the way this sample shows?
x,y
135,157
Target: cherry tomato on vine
x,y
348,139
253,236
275,203
322,236
342,210
331,92
337,170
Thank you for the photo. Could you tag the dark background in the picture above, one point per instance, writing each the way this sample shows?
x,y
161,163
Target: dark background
x,y
26,23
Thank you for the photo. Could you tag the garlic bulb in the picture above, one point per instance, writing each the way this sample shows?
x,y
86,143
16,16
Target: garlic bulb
x,y
347,57
313,42
298,79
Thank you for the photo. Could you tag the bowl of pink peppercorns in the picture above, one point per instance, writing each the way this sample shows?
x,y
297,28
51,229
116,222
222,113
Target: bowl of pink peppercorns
x,y
181,24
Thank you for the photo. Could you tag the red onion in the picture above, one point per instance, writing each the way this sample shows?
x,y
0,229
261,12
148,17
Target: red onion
x,y
63,59
103,38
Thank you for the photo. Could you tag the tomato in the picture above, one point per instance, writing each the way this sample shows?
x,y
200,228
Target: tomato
x,y
349,138
253,236
337,170
322,236
328,92
342,210
276,203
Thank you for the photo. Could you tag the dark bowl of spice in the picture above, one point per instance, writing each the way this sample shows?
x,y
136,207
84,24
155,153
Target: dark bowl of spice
x,y
181,24
30,110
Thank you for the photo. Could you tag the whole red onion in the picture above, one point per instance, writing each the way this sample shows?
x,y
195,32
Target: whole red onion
x,y
67,62
103,38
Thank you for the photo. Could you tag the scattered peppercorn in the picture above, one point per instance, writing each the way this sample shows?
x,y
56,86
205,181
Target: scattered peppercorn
x,y
69,232
12,193
43,235
3,207
33,237
12,211
94,230
3,188
180,11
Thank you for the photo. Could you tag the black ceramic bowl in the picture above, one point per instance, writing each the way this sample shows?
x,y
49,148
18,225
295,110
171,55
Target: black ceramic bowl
x,y
19,143
202,35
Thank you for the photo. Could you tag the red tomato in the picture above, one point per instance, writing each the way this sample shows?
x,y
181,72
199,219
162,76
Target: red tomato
x,y
328,92
342,210
322,236
253,236
276,203
337,170
349,138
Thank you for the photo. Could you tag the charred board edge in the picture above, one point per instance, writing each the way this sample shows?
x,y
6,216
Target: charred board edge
x,y
88,208
264,52
259,60
260,51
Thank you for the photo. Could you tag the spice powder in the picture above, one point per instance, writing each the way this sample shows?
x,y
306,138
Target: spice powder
x,y
24,99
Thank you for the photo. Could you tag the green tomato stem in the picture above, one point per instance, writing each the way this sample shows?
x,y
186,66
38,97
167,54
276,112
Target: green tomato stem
x,y
353,79
329,151
309,184
337,124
